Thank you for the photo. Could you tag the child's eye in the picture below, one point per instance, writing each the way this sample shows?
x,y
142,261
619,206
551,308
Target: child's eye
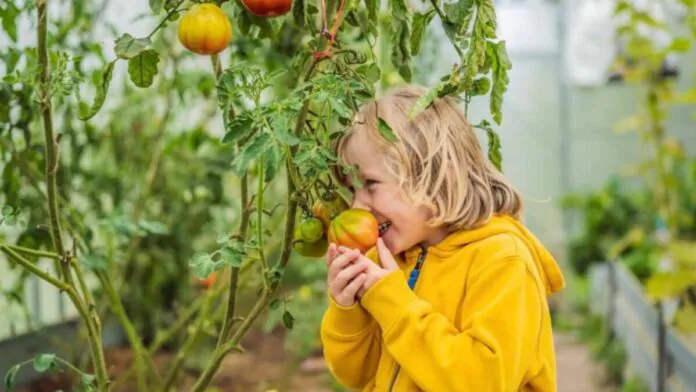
x,y
369,183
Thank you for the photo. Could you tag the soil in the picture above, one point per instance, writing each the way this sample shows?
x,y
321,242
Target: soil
x,y
264,366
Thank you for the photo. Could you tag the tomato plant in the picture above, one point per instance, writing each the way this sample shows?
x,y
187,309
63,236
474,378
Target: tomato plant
x,y
354,228
134,190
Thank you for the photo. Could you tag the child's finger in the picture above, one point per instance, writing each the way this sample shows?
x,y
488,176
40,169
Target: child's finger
x,y
331,254
352,288
346,275
340,262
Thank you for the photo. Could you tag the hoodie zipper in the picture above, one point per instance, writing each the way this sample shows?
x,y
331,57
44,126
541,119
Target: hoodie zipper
x,y
412,279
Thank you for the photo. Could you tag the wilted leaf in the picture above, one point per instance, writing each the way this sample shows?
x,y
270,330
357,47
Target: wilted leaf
x,y
500,66
494,154
102,89
400,33
420,26
143,68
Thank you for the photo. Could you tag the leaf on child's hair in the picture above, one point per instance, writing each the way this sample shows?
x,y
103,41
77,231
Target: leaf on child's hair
x,y
385,130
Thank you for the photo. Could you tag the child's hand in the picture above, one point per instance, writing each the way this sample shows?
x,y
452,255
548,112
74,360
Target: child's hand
x,y
374,272
346,274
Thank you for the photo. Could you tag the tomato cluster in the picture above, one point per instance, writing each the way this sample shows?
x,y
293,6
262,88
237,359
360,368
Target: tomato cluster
x,y
206,29
332,220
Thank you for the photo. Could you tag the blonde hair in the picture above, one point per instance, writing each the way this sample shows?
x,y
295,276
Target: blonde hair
x,y
436,158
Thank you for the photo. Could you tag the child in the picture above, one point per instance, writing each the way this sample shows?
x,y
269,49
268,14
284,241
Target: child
x,y
457,300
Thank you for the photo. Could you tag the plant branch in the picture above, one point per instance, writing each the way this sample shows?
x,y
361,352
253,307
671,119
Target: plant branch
x,y
51,150
31,267
33,252
129,329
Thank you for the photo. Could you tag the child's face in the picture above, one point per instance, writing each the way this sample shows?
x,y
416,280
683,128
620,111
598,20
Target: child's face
x,y
401,226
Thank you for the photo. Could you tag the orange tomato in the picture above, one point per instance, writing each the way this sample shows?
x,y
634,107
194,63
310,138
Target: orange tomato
x,y
205,29
354,228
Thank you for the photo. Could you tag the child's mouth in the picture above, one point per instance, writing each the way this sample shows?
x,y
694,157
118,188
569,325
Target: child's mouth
x,y
383,227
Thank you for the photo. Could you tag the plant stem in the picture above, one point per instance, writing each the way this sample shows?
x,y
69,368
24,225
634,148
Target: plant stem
x,y
259,213
31,267
131,334
243,228
190,343
33,252
233,343
45,106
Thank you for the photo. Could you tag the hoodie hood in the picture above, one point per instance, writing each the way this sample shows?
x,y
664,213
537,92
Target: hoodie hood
x,y
545,263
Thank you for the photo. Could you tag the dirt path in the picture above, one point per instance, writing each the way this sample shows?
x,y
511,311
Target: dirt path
x,y
576,370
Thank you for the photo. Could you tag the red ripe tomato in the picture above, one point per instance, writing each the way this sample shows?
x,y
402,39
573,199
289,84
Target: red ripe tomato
x,y
354,228
268,8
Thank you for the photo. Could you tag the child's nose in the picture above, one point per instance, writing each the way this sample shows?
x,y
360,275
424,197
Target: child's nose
x,y
359,203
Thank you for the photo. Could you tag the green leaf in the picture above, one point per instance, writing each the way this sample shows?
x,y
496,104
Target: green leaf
x,y
9,20
128,47
43,362
241,126
223,238
202,264
143,67
487,18
371,72
257,146
10,377
102,89
7,211
420,26
459,16
232,256
385,130
494,154
500,67
299,13
94,262
275,303
156,6
288,320
153,227
272,162
481,86
680,44
88,379
400,33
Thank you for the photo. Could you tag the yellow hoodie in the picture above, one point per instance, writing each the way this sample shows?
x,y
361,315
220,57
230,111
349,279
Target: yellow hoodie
x,y
477,319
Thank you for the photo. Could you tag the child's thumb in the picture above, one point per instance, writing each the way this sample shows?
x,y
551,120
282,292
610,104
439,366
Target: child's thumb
x,y
385,257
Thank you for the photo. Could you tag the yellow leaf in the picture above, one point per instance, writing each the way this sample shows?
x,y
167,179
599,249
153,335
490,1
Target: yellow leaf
x,y
683,253
685,319
630,124
634,236
669,284
686,98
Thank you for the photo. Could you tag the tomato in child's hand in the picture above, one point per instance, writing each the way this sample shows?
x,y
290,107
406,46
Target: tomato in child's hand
x,y
354,228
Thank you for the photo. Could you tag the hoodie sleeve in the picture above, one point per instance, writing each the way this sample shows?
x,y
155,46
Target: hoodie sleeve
x,y
500,317
351,344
